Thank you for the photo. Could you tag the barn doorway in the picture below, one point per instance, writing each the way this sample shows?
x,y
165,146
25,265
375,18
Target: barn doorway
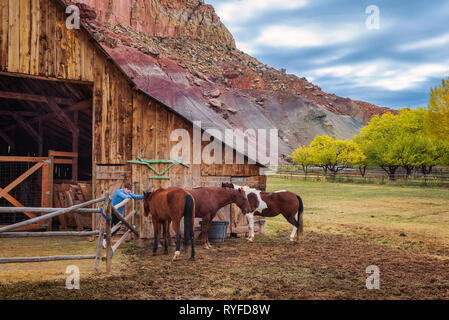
x,y
43,119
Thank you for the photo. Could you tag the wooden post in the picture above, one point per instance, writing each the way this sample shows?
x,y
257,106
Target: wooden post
x,y
41,143
75,138
108,236
123,220
99,249
45,189
51,171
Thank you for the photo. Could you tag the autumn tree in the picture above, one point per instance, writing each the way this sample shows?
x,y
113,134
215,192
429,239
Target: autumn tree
x,y
303,156
334,155
394,141
437,116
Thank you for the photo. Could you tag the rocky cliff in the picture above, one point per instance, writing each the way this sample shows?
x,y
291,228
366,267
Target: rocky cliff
x,y
179,52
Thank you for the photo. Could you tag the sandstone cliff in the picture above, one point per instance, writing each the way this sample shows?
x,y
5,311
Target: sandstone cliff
x,y
179,52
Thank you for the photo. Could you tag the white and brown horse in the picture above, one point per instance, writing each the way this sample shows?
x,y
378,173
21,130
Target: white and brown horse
x,y
271,204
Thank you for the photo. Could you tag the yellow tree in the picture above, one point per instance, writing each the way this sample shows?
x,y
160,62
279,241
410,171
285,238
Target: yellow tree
x,y
437,117
394,141
335,155
303,156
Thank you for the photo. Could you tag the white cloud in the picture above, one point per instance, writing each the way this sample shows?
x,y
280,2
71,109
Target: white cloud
x,y
246,47
241,10
428,43
382,74
306,36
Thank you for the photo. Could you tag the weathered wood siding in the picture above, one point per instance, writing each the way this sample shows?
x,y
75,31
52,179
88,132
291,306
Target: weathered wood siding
x,y
34,40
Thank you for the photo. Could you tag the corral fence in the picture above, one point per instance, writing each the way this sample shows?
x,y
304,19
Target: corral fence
x,y
55,212
439,176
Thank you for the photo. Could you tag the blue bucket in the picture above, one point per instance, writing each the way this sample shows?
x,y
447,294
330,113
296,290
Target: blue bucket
x,y
217,231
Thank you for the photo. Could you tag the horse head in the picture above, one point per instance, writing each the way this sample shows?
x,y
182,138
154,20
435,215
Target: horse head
x,y
242,201
146,203
227,185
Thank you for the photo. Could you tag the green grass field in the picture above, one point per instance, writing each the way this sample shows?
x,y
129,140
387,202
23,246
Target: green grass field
x,y
413,218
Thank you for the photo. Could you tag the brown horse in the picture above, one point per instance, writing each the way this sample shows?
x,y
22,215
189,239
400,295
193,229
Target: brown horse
x,y
209,200
170,205
271,204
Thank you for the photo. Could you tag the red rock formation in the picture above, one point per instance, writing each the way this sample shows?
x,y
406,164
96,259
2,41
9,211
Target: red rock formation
x,y
178,49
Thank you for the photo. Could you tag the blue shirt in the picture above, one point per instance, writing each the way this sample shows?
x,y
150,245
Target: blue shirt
x,y
120,195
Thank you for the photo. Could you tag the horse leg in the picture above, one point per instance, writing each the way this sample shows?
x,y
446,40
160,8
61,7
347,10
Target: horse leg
x,y
205,233
165,226
178,240
156,228
250,218
291,218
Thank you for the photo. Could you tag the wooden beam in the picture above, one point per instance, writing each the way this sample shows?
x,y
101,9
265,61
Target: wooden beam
x,y
41,143
34,97
126,223
8,140
62,154
48,234
44,78
44,210
61,115
77,106
29,128
21,113
41,259
21,159
75,146
16,203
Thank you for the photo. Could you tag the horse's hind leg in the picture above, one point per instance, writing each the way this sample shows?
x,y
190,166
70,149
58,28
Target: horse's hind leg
x,y
205,233
291,218
156,228
166,226
178,239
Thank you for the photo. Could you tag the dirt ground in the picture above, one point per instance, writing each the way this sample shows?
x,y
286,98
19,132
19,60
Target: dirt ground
x,y
321,267
403,231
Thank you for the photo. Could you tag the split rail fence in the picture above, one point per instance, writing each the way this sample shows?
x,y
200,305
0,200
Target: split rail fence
x,y
55,212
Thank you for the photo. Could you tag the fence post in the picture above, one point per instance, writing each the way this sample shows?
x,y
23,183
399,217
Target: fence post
x,y
108,236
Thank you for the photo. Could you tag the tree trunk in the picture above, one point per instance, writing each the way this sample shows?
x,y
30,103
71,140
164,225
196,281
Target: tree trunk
x,y
408,171
362,170
391,171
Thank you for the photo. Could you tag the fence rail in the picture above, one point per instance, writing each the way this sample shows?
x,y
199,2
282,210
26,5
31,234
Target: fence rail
x,y
440,174
54,212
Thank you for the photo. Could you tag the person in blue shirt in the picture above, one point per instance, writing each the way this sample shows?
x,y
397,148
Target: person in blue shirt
x,y
119,196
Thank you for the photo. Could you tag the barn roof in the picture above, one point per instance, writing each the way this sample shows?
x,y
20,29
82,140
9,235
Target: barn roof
x,y
139,69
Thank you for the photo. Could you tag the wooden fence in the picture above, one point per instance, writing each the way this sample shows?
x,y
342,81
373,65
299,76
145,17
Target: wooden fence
x,y
54,212
439,176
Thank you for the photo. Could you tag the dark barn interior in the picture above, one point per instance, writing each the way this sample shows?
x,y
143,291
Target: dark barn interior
x,y
36,116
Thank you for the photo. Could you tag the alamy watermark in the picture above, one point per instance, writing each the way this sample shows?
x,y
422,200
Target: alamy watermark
x,y
372,22
259,146
373,280
73,280
73,20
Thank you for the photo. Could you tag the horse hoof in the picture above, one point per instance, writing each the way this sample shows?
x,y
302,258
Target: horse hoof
x,y
175,257
154,254
192,258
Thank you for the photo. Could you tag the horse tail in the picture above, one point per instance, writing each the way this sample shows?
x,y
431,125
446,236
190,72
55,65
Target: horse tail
x,y
189,213
300,221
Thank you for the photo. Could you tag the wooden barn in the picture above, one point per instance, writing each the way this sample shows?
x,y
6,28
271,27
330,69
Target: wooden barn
x,y
73,125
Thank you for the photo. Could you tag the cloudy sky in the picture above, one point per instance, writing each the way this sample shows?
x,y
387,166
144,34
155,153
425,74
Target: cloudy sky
x,y
336,45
